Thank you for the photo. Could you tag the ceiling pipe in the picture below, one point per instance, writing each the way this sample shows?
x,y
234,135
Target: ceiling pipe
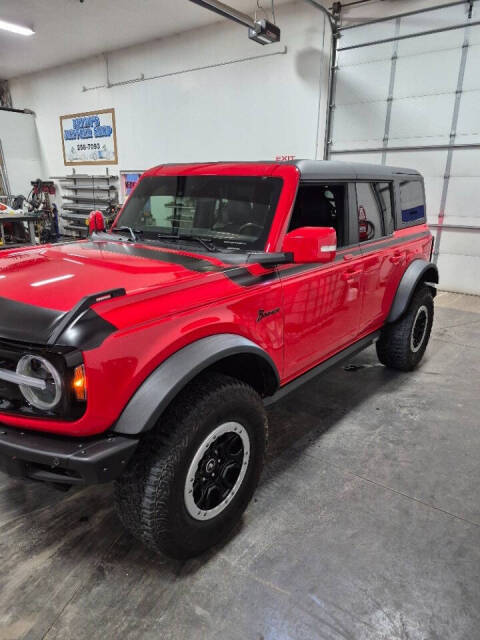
x,y
227,12
260,31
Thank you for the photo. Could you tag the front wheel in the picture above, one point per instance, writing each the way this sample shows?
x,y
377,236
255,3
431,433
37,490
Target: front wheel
x,y
191,479
402,344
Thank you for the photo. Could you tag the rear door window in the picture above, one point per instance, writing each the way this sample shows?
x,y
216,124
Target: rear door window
x,y
375,210
370,217
384,193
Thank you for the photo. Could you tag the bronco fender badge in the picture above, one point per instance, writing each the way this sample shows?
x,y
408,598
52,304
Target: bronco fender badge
x,y
264,314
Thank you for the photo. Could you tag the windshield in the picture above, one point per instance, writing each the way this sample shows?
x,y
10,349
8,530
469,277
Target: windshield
x,y
231,212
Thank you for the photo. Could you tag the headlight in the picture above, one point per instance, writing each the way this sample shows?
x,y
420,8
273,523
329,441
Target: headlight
x,y
37,367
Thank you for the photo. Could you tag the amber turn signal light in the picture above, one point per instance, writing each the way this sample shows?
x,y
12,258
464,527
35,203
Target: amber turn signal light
x,y
80,383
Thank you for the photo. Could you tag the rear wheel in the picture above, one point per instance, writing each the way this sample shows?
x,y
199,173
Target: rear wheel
x,y
191,479
403,343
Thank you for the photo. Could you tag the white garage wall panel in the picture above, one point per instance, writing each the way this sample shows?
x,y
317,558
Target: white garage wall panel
x,y
415,102
21,150
213,95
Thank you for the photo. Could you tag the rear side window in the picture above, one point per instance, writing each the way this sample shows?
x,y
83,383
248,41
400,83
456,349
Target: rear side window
x,y
370,220
375,211
412,202
384,194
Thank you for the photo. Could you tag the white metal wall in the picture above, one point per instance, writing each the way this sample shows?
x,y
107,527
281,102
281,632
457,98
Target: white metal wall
x,y
409,98
207,94
18,135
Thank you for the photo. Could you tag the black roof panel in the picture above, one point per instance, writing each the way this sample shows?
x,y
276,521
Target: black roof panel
x,y
335,170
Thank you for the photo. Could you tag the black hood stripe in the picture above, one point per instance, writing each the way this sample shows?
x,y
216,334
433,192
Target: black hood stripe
x,y
192,263
243,277
239,275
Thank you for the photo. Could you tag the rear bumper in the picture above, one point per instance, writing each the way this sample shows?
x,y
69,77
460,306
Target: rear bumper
x,y
69,461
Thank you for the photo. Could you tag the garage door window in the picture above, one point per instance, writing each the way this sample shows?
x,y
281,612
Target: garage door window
x,y
412,202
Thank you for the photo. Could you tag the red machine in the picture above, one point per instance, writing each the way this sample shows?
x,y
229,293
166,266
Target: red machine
x,y
96,222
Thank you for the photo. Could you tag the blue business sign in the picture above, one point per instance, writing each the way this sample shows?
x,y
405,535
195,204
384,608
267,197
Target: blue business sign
x,y
87,127
89,138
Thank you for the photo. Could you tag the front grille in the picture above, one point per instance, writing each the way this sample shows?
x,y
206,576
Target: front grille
x,y
10,397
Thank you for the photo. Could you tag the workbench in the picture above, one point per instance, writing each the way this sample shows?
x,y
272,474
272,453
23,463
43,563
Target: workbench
x,y
18,217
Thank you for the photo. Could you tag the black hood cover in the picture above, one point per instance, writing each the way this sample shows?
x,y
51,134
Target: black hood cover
x,y
21,322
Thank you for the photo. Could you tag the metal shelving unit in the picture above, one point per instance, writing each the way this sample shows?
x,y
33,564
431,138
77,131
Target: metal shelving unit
x,y
87,193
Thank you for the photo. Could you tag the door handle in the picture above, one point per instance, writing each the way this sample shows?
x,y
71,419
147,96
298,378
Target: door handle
x,y
350,274
348,256
396,258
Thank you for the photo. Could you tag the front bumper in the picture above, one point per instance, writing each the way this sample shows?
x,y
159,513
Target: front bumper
x,y
64,460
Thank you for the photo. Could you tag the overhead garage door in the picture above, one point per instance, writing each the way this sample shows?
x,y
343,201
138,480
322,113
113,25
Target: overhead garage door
x,y
407,93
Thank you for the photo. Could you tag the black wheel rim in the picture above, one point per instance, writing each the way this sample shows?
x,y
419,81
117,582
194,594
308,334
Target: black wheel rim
x,y
419,329
217,471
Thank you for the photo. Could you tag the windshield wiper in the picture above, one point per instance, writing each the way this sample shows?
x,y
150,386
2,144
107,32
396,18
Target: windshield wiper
x,y
131,231
167,236
209,246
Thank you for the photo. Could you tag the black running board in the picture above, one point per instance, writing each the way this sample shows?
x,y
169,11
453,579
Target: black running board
x,y
331,362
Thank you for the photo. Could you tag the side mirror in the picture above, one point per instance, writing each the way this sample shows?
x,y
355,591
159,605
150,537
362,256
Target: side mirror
x,y
311,244
96,222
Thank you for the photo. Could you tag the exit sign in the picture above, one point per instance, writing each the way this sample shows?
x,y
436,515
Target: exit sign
x,y
283,158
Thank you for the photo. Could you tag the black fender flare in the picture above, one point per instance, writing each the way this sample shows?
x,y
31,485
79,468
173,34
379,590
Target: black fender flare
x,y
416,272
160,387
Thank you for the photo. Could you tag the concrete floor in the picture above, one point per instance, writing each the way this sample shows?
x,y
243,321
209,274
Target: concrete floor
x,y
366,524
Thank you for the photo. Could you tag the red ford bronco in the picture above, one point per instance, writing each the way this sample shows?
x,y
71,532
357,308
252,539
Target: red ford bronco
x,y
146,355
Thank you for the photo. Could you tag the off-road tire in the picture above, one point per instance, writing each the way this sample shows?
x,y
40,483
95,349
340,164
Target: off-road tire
x,y
149,496
394,348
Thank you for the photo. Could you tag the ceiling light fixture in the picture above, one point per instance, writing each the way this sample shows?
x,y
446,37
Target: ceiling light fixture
x,y
16,28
